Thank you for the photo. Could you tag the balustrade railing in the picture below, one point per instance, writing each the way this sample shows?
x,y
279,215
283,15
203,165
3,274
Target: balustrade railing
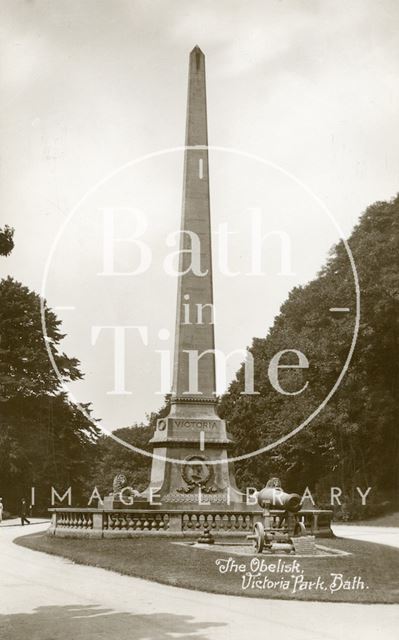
x,y
133,522
218,521
173,522
121,521
74,519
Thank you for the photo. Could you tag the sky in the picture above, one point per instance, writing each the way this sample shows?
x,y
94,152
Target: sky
x,y
304,95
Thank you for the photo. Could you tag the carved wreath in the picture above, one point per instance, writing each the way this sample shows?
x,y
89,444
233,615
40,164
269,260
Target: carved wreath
x,y
196,473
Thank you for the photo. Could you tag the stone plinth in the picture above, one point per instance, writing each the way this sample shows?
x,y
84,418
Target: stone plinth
x,y
195,438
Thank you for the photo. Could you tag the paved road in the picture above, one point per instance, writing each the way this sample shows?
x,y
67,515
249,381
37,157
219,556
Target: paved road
x,y
381,535
47,598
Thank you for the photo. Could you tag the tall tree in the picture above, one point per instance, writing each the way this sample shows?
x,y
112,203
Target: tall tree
x,y
355,439
45,440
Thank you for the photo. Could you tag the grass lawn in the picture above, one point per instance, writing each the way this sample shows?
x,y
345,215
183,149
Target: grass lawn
x,y
186,566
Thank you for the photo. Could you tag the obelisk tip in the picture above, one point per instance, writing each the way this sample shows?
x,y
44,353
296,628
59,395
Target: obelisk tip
x,y
197,50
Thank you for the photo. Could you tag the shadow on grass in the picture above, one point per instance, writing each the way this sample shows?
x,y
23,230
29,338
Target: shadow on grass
x,y
90,622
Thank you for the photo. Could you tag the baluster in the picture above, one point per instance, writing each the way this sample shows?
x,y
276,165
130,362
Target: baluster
x,y
146,525
210,520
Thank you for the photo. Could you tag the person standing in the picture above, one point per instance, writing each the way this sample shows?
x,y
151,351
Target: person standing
x,y
1,510
24,510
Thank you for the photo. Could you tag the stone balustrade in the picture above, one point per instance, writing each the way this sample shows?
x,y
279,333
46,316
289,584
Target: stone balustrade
x,y
75,520
177,523
104,523
141,521
219,521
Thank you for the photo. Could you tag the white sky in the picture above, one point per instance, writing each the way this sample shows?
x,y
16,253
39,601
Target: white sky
x,y
87,87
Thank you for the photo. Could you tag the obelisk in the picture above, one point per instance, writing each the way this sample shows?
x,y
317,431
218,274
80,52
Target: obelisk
x,y
195,313
193,433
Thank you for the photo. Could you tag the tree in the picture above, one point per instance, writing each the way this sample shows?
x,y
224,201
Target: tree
x,y
45,440
355,440
112,457
25,368
6,240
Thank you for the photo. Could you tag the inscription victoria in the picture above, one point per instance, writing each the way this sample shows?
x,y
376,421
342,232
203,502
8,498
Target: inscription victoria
x,y
199,424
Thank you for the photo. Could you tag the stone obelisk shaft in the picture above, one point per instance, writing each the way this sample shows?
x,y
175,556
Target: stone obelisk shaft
x,y
194,319
190,443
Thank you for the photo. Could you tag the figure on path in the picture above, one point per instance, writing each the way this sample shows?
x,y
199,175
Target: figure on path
x,y
24,511
1,510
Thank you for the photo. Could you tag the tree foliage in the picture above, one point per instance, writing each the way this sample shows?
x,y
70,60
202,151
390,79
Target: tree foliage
x,y
25,368
113,457
354,440
6,240
45,440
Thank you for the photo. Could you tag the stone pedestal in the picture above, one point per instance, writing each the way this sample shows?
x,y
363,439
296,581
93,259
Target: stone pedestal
x,y
192,469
